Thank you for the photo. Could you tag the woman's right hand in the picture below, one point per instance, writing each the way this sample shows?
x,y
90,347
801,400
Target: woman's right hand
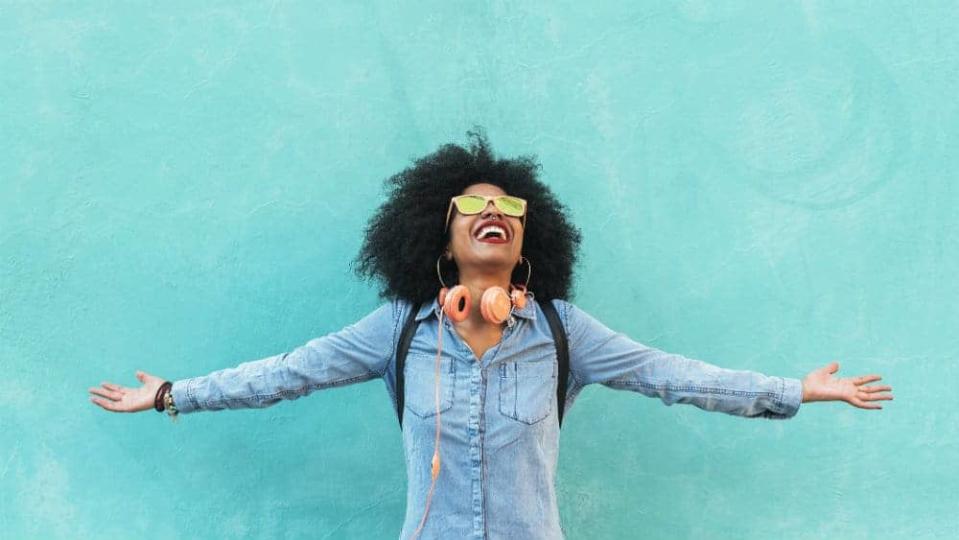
x,y
123,399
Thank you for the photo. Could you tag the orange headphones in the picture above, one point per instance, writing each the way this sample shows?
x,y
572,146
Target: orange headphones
x,y
496,306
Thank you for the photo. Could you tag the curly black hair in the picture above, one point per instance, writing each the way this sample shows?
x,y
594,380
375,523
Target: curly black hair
x,y
405,236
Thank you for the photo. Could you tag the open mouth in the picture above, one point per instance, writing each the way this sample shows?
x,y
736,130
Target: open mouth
x,y
492,233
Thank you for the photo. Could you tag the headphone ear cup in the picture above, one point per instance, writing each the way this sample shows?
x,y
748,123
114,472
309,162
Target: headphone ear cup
x,y
518,294
456,302
495,305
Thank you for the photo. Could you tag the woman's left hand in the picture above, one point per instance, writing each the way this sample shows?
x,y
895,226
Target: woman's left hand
x,y
820,385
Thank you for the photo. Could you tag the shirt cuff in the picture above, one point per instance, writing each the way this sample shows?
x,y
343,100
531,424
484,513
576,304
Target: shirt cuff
x,y
182,397
791,397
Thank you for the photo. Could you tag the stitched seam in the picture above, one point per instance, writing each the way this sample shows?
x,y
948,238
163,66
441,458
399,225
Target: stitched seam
x,y
449,395
299,391
690,388
392,350
506,375
569,345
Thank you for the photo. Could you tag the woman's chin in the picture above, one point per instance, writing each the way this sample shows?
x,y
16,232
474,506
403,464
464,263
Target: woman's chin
x,y
490,260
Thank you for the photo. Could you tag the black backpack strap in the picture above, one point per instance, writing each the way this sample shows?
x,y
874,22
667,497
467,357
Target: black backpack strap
x,y
402,348
562,355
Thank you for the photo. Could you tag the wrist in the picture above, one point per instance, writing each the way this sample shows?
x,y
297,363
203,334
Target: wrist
x,y
810,392
159,399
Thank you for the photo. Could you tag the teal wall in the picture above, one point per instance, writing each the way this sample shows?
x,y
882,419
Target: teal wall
x,y
769,188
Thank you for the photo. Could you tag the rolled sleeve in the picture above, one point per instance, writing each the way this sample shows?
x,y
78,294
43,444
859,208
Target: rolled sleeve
x,y
790,400
601,355
357,353
182,397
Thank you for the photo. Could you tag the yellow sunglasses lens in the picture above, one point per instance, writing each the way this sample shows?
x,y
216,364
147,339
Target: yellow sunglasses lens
x,y
470,205
511,206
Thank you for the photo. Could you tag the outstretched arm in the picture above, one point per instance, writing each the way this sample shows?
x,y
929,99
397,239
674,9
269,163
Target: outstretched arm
x,y
354,354
820,385
601,355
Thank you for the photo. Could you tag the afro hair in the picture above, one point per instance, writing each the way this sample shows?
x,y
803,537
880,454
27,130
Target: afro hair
x,y
405,236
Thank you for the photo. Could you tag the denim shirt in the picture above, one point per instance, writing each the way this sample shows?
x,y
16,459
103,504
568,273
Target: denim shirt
x,y
500,437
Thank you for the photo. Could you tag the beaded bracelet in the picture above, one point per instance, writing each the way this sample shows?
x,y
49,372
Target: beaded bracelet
x,y
164,400
158,399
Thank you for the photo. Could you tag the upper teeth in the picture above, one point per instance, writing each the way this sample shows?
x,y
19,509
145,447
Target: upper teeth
x,y
491,228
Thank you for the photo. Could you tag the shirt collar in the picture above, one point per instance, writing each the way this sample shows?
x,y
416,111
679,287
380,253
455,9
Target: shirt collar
x,y
528,312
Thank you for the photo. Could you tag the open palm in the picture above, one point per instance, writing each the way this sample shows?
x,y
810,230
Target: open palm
x,y
820,385
122,399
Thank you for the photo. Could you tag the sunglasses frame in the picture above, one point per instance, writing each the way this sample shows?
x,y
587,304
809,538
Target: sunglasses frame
x,y
488,198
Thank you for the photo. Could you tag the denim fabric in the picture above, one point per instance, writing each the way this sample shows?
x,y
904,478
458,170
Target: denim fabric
x,y
500,438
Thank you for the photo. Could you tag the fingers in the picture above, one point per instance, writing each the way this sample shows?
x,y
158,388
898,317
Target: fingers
x,y
866,379
871,396
108,405
113,394
863,405
832,367
874,397
865,395
110,391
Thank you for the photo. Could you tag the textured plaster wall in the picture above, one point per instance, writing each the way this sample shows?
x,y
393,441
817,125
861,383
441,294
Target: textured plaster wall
x,y
766,186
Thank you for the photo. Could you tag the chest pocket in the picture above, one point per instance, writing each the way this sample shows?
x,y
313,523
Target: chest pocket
x,y
421,384
527,390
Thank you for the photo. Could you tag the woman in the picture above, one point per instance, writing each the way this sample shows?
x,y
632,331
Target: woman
x,y
481,427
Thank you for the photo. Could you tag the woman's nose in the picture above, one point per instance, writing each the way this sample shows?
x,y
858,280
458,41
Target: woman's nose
x,y
490,210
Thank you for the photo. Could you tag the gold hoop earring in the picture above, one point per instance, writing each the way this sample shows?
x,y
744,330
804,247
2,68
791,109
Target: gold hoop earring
x,y
439,274
529,265
518,292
